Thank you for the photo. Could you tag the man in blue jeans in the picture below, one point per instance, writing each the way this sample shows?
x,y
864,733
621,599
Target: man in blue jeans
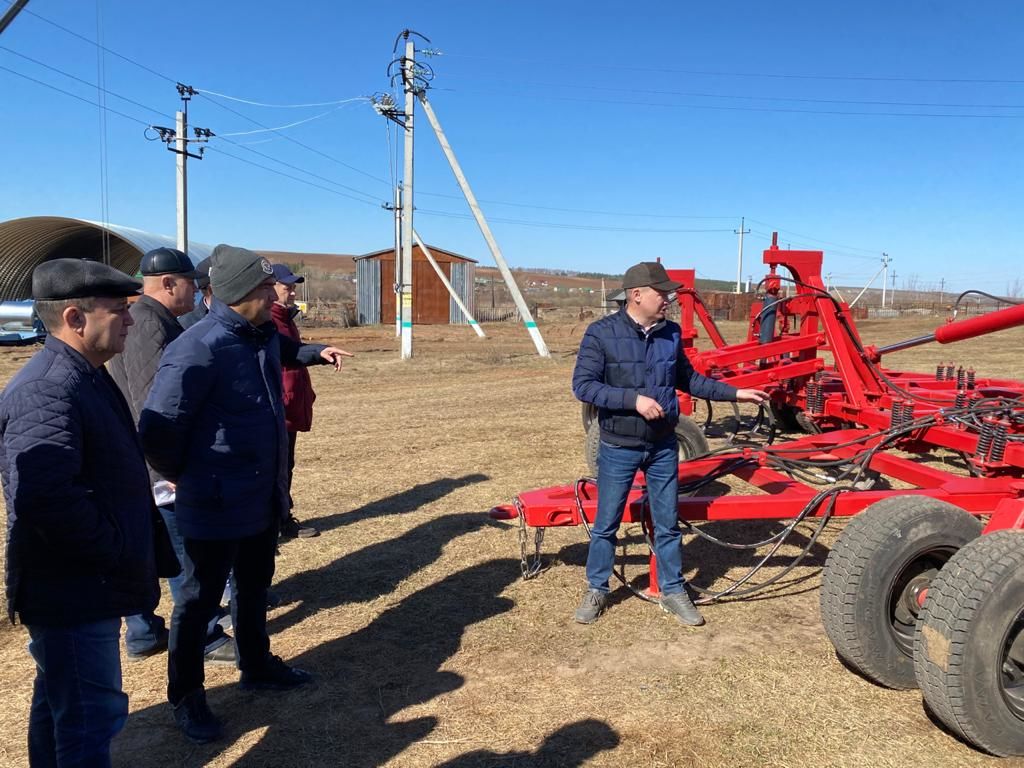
x,y
630,365
80,536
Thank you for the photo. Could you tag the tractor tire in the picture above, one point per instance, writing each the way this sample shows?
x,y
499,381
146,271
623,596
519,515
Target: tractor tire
x,y
692,442
879,566
785,416
969,653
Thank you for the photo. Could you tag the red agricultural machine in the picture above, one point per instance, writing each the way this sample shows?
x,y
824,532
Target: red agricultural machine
x,y
925,584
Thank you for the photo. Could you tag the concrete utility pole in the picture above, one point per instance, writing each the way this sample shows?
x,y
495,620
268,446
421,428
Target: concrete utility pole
x,y
885,275
409,83
177,141
11,12
739,260
892,299
942,290
398,260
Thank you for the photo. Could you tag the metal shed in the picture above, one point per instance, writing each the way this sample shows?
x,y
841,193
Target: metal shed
x,y
431,303
25,243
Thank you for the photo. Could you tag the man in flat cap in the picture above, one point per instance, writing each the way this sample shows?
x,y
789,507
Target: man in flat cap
x,y
168,291
80,546
213,424
630,365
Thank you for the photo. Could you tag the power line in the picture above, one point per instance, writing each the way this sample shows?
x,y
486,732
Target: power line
x,y
591,64
554,225
75,96
284,106
289,176
96,86
874,252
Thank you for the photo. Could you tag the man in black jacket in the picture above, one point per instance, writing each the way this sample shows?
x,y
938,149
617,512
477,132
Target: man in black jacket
x,y
168,290
80,549
630,365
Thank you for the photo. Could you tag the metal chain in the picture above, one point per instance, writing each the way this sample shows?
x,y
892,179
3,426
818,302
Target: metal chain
x,y
530,566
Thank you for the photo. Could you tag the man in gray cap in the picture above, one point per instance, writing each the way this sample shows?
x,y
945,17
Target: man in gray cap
x,y
630,365
213,424
168,291
80,536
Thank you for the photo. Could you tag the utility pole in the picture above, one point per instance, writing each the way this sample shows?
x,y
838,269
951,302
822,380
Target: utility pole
x,y
739,259
885,275
396,207
408,81
11,12
177,141
892,300
942,290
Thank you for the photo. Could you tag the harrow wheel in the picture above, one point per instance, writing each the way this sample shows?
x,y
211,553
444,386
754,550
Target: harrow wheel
x,y
876,577
690,436
969,654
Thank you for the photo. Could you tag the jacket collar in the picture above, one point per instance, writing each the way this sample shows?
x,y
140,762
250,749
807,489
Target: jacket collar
x,y
156,307
631,323
58,347
226,316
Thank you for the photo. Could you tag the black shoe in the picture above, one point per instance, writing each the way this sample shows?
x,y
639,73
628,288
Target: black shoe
x,y
196,720
158,647
222,654
275,675
273,599
291,528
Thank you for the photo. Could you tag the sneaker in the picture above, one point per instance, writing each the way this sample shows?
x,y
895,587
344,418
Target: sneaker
x,y
196,720
158,647
274,676
592,606
291,528
222,654
680,606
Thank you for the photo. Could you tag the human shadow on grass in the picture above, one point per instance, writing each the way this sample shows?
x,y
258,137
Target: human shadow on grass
x,y
363,680
400,503
372,571
571,745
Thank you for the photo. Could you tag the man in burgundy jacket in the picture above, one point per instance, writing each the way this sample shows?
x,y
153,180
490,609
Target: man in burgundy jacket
x,y
298,389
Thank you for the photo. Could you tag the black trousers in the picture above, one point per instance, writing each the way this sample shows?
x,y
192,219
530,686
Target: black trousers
x,y
291,465
207,565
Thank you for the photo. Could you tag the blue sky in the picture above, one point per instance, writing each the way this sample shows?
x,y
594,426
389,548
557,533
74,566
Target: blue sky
x,y
658,124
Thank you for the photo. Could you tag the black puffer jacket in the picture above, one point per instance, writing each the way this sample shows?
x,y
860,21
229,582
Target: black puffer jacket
x,y
79,505
618,361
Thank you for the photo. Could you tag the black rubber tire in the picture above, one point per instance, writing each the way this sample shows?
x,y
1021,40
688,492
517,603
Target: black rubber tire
x,y
785,416
690,436
973,611
868,570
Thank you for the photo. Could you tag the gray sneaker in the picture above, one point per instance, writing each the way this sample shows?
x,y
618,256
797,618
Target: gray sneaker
x,y
680,606
592,606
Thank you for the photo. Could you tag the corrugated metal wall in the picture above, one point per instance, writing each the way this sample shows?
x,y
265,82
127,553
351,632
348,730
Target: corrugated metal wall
x,y
462,280
368,291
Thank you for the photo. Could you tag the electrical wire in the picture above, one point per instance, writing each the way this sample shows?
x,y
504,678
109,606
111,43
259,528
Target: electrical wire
x,y
283,127
338,102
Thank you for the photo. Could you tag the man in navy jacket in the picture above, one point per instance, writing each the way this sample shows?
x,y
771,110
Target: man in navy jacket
x,y
80,539
630,365
213,424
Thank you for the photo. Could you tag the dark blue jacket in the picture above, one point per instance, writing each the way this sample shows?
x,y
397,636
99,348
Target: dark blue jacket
x,y
618,361
213,423
79,503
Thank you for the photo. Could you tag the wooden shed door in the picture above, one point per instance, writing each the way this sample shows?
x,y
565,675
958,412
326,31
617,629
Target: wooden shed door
x,y
430,297
387,292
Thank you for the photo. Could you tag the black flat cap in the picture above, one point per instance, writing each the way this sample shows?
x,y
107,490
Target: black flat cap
x,y
166,261
77,278
648,274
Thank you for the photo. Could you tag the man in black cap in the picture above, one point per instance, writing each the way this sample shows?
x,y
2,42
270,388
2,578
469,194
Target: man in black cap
x,y
213,424
80,551
168,291
630,365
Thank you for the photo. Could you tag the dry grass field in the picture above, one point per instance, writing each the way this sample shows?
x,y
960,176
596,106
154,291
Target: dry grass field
x,y
429,649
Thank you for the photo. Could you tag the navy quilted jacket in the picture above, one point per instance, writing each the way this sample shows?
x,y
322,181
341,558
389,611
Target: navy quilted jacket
x,y
214,424
79,505
618,361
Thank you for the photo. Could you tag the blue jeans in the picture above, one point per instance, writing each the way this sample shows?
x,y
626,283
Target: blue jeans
x,y
77,702
142,632
616,468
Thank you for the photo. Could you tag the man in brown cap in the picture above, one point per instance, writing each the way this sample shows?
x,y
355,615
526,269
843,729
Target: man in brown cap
x,y
80,551
630,365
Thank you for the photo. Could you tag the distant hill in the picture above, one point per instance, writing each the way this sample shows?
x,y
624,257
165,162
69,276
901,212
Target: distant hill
x,y
324,262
